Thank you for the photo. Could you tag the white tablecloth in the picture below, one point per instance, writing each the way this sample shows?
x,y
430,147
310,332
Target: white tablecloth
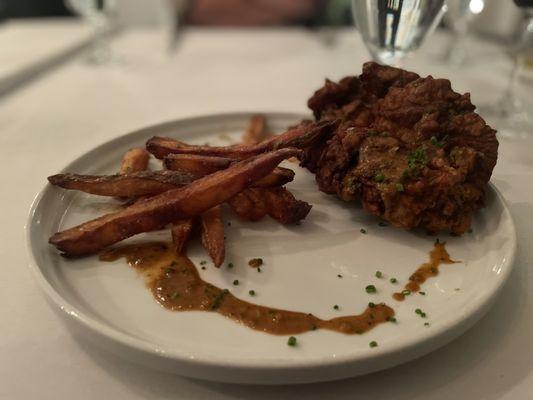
x,y
48,123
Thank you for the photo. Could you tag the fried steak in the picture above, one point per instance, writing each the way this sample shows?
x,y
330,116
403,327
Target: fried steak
x,y
410,149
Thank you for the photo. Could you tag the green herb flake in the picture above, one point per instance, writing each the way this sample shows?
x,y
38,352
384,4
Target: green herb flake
x,y
426,323
339,276
382,223
422,293
335,307
373,344
174,295
313,327
230,265
251,292
371,289
379,274
391,319
258,269
203,267
406,292
399,187
371,305
379,177
393,280
292,341
236,282
363,231
203,262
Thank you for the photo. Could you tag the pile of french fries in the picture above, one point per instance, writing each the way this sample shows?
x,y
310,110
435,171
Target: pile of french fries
x,y
188,192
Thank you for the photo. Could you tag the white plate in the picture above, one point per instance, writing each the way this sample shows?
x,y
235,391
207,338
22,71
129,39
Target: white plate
x,y
110,302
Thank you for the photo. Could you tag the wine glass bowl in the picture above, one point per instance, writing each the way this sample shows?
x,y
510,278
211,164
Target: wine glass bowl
x,y
391,29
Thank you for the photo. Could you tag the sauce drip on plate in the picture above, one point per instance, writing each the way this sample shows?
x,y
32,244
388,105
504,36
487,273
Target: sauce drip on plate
x,y
176,285
439,255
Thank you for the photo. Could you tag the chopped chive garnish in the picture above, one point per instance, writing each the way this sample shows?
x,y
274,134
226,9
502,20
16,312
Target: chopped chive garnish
x,y
313,327
418,311
251,292
391,319
292,341
339,276
258,269
203,262
335,307
382,223
393,280
373,343
371,305
422,293
426,323
371,289
236,282
204,267
379,274
173,263
406,292
230,265
399,187
362,230
379,177
174,295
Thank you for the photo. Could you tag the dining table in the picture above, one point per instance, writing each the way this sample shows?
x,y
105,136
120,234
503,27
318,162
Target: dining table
x,y
77,106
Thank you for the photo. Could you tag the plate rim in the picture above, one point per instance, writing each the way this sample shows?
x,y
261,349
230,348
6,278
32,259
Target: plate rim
x,y
283,364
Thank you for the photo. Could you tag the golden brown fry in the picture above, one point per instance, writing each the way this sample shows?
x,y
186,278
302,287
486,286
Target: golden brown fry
x,y
248,205
212,232
181,233
144,183
283,207
200,166
134,160
256,131
300,137
179,203
254,203
195,164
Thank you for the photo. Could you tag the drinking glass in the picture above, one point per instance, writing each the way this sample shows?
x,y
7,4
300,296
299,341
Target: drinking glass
x,y
510,113
459,16
391,29
101,15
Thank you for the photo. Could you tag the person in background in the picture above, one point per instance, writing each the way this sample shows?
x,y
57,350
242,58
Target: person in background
x,y
268,12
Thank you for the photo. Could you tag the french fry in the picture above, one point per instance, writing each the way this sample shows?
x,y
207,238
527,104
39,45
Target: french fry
x,y
212,233
181,233
283,206
195,164
199,166
134,160
249,205
143,183
256,131
172,205
299,137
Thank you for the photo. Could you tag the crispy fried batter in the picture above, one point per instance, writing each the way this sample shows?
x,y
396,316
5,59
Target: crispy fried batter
x,y
212,232
134,160
256,131
143,183
410,149
185,202
181,233
300,137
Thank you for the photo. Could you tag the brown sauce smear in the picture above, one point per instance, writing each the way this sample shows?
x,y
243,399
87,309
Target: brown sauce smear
x,y
439,255
176,285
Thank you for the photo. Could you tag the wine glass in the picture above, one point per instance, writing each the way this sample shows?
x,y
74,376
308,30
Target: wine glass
x,y
391,29
509,113
101,15
459,16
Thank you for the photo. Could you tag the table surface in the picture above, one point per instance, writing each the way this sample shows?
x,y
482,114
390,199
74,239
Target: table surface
x,y
62,115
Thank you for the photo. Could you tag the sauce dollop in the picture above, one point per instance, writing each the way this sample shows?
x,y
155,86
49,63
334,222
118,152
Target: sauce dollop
x,y
439,255
176,285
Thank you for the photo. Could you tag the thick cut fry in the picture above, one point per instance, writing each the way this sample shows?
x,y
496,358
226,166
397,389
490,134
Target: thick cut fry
x,y
283,207
212,232
181,233
195,164
256,131
199,166
175,204
249,205
300,137
134,160
254,203
144,183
